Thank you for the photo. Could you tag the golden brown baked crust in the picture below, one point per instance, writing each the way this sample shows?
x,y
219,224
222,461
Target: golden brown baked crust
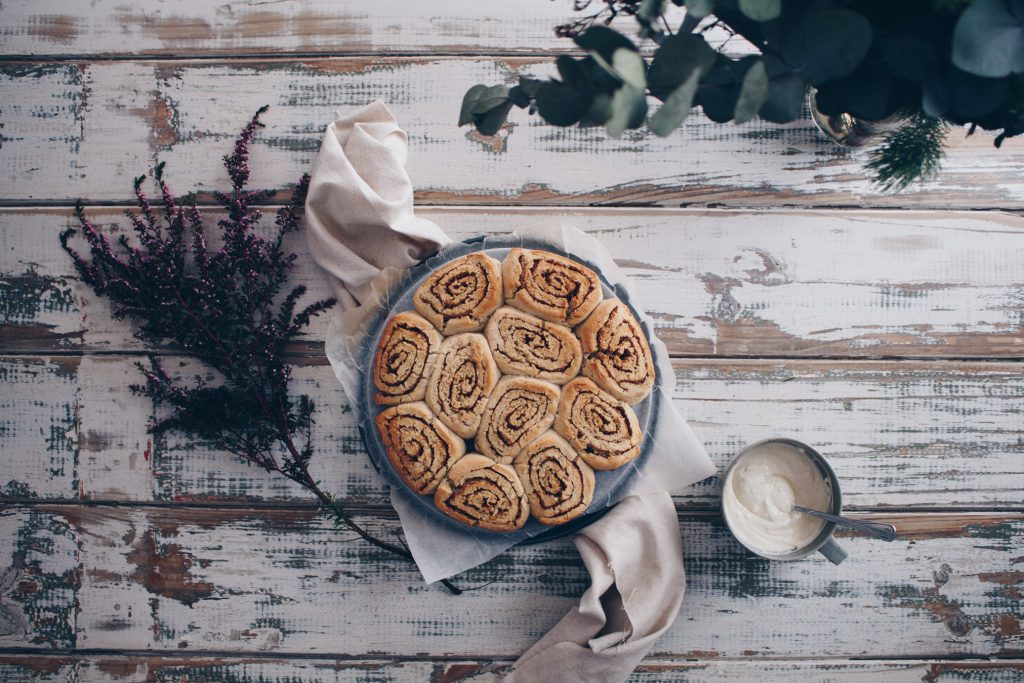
x,y
615,352
603,429
550,286
484,494
464,376
558,483
419,446
520,409
461,295
523,344
404,359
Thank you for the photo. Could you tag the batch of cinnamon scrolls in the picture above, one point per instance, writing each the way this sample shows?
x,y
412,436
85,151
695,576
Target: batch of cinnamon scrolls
x,y
494,354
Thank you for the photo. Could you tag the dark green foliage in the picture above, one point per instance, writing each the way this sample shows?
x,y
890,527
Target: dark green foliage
x,y
954,60
910,153
228,308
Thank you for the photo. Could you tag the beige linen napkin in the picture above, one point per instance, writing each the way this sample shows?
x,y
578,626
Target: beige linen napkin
x,y
359,215
360,220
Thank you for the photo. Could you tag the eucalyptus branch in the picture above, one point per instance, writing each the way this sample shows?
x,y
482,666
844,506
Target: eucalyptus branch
x,y
229,309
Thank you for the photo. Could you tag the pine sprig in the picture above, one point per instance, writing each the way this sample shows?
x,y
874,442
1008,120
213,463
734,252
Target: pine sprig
x,y
229,309
910,153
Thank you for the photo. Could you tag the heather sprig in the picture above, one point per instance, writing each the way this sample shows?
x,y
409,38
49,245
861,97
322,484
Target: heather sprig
x,y
229,309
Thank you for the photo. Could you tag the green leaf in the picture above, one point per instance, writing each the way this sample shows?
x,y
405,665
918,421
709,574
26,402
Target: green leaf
x,y
604,41
700,8
599,111
490,122
910,57
489,98
630,67
651,10
559,104
988,39
676,108
785,99
629,108
753,93
571,71
761,10
529,85
468,102
827,44
675,60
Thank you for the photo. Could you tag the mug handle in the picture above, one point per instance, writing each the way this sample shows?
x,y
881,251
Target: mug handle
x,y
832,551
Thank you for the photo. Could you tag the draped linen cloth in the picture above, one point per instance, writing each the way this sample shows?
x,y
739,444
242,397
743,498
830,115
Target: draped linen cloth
x,y
360,220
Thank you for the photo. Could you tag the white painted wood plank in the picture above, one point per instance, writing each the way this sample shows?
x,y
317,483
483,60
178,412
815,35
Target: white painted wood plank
x,y
85,129
280,580
105,28
727,283
899,435
139,669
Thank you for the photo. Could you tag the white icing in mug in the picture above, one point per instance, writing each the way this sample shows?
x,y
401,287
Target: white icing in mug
x,y
761,486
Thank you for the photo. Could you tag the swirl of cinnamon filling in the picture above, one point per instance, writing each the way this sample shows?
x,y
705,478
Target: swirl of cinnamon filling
x,y
520,409
482,493
558,483
461,295
616,354
550,286
418,445
601,428
462,381
404,359
523,344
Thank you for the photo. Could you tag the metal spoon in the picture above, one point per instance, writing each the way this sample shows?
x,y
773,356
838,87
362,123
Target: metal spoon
x,y
886,532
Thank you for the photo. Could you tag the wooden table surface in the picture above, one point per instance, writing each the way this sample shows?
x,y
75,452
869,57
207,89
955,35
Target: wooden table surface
x,y
887,330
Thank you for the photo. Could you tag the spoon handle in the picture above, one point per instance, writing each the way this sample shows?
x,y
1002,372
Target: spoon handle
x,y
886,532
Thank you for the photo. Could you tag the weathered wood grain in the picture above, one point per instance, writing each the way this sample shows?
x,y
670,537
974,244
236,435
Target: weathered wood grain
x,y
84,129
108,28
726,283
272,579
900,435
208,669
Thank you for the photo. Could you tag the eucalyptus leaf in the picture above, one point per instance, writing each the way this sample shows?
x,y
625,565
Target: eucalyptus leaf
x,y
489,98
988,39
676,108
571,71
911,58
753,93
559,104
468,102
491,122
604,41
785,101
599,111
675,60
651,10
629,108
761,10
700,8
630,67
827,44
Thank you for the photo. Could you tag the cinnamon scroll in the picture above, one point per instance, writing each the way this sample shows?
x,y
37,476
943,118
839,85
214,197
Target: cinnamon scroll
x,y
461,295
603,429
550,286
616,354
482,493
404,359
419,446
558,483
520,409
523,344
464,376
